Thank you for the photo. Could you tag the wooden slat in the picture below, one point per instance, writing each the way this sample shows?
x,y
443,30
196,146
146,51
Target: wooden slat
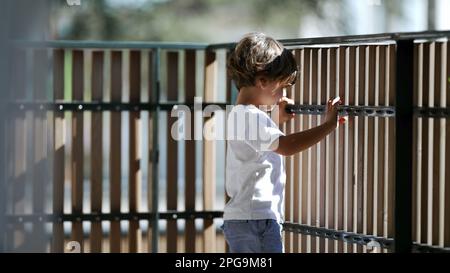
x,y
172,152
151,120
424,134
190,162
307,153
209,155
340,164
382,136
322,99
430,143
314,149
349,179
287,129
379,144
360,128
40,156
416,170
115,150
326,92
304,76
230,88
77,145
435,89
97,151
391,144
58,153
371,157
380,126
447,155
331,144
442,79
135,234
296,165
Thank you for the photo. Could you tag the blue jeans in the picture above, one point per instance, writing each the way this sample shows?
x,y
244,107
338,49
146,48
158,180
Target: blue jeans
x,y
253,236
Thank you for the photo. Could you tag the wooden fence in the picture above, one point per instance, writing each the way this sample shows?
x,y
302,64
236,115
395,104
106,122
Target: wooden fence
x,y
90,131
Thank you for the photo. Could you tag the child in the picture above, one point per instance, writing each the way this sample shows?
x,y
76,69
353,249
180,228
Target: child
x,y
255,175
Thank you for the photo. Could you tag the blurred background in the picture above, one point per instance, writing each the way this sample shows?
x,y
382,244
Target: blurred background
x,y
216,21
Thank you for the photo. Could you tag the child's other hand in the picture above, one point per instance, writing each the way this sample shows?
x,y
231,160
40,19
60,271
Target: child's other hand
x,y
331,115
283,116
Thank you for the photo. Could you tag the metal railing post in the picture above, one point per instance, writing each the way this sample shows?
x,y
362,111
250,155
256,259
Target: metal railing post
x,y
403,145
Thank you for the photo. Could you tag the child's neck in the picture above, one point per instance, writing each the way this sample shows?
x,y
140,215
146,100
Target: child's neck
x,y
247,95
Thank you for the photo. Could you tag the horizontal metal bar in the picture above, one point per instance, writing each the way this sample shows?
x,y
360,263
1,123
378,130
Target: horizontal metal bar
x,y
348,237
108,45
347,110
97,217
378,111
431,112
429,249
371,38
103,106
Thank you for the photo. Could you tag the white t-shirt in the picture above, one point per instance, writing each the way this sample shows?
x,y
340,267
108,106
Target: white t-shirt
x,y
255,175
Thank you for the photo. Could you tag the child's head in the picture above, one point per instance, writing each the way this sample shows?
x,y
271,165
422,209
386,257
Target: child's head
x,y
263,63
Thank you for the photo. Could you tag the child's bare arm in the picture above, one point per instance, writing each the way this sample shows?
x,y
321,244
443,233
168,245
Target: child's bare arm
x,y
297,142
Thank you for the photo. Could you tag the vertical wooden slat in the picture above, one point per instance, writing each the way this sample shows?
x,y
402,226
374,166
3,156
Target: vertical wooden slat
x,y
371,158
297,168
424,144
447,154
349,179
436,143
379,135
172,152
58,154
331,144
340,164
313,150
416,159
115,152
97,151
376,149
287,129
77,145
40,165
355,124
380,126
327,212
307,158
382,173
190,163
360,128
389,142
304,76
135,234
391,145
430,131
322,99
209,155
441,78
